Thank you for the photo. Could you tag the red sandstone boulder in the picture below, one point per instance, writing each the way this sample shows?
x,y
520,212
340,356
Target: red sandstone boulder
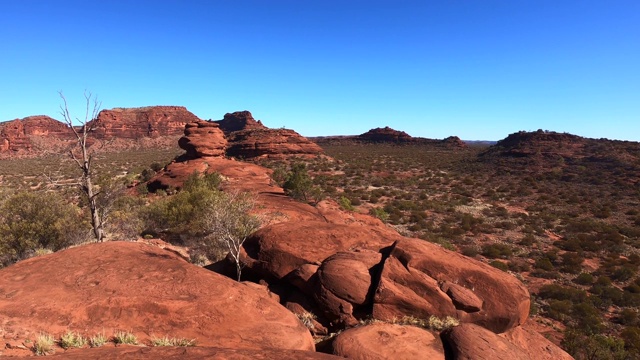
x,y
535,345
276,250
473,342
239,120
188,353
140,288
422,279
387,341
270,143
344,284
203,138
150,121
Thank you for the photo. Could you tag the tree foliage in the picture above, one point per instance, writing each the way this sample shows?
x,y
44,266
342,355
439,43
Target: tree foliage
x,y
205,218
30,221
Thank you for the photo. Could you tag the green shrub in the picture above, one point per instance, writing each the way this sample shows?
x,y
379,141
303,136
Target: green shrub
x,y
345,203
584,279
379,213
298,183
499,265
203,217
37,220
495,251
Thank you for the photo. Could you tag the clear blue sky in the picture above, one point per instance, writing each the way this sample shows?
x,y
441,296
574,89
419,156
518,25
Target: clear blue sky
x,y
475,69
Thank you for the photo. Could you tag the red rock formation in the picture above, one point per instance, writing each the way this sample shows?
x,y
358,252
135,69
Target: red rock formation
x,y
418,277
472,342
18,135
270,143
136,123
535,345
388,341
203,138
344,285
279,249
143,289
385,134
188,353
239,120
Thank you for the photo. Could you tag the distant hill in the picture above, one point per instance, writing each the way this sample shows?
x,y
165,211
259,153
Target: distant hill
x,y
387,135
566,155
151,127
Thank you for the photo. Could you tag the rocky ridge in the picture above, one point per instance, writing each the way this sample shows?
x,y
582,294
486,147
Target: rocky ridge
x,y
18,136
345,267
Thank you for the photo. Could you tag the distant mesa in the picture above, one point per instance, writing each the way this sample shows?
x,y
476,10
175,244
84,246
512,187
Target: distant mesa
x,y
249,138
387,135
136,123
16,136
539,142
566,154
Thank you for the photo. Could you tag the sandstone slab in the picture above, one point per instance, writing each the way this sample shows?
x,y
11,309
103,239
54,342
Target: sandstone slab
x,y
387,341
140,288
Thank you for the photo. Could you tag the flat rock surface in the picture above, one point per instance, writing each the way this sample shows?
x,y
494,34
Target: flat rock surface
x,y
280,248
472,342
103,287
188,353
388,341
535,345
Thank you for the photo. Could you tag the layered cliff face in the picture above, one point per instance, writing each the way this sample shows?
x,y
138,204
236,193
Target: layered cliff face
x,y
203,138
239,120
249,138
136,123
17,136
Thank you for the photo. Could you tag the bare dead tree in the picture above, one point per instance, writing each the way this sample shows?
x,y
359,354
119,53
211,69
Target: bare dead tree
x,y
83,157
230,223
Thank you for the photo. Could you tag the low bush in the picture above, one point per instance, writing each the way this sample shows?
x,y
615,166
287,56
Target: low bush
x,y
38,220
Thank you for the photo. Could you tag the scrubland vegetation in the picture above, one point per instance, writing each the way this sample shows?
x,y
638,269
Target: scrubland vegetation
x,y
570,230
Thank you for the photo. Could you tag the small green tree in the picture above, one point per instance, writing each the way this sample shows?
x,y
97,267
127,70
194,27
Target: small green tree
x,y
298,183
37,220
205,218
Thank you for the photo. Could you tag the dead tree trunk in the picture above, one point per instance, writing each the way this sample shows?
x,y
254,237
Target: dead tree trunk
x,y
83,158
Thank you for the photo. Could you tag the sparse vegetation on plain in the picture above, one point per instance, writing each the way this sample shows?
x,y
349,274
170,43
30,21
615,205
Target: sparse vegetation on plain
x,y
44,345
167,341
72,339
98,340
125,337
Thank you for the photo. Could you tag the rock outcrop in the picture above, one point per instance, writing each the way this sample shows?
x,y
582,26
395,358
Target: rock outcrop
x,y
136,123
20,135
140,288
239,120
203,138
189,353
473,342
271,143
387,341
422,279
385,134
345,267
